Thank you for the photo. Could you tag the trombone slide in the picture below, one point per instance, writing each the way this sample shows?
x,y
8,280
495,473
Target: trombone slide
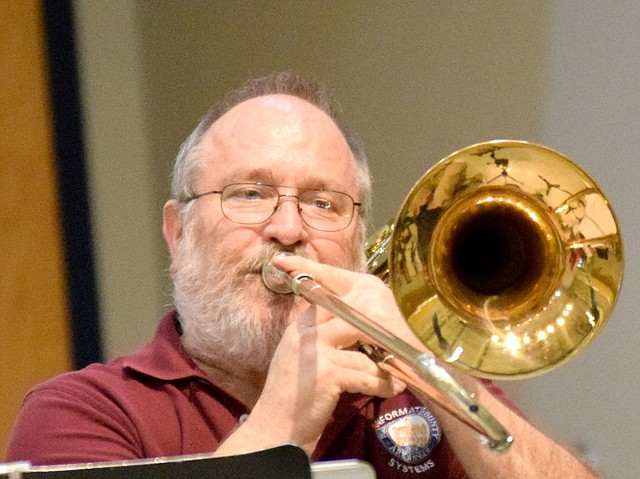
x,y
420,371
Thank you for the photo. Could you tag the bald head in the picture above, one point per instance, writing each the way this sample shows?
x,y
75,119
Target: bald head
x,y
187,165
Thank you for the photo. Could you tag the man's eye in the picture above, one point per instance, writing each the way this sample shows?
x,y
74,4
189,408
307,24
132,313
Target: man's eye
x,y
249,194
322,203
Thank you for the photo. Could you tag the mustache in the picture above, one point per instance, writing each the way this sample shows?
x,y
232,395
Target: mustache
x,y
252,266
254,263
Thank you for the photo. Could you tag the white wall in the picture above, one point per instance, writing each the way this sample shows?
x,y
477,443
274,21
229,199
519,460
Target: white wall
x,y
418,80
592,113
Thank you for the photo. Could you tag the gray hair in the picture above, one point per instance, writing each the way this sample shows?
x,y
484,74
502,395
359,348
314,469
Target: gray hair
x,y
188,162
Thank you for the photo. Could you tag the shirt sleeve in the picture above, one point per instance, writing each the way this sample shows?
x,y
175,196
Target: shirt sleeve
x,y
499,393
64,421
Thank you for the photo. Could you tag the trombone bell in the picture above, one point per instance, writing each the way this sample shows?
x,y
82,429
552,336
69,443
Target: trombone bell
x,y
506,259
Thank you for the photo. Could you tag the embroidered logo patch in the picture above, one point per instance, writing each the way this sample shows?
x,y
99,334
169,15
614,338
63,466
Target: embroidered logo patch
x,y
409,433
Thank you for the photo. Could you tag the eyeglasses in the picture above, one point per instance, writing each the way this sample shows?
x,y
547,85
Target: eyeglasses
x,y
254,203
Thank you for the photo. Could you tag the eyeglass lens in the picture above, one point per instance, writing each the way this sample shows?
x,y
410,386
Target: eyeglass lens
x,y
324,210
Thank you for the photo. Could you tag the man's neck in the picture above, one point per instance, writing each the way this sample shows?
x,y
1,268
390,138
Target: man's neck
x,y
245,386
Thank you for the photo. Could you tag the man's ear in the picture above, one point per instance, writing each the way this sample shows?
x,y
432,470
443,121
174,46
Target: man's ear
x,y
172,225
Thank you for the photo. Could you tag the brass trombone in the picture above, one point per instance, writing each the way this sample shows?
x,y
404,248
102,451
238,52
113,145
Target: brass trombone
x,y
506,260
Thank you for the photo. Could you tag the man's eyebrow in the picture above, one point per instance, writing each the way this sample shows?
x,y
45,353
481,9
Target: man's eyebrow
x,y
260,175
266,176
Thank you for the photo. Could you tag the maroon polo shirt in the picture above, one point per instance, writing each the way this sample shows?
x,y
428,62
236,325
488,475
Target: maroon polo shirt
x,y
156,402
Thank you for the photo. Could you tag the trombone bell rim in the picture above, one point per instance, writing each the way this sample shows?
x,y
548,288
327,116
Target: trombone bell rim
x,y
566,236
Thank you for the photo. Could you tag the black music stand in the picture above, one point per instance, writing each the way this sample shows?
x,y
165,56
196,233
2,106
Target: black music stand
x,y
275,463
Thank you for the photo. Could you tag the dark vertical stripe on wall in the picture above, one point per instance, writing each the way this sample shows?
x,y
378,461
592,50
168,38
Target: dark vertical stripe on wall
x,y
72,181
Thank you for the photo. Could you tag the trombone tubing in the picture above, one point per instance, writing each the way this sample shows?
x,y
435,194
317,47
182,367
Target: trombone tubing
x,y
418,370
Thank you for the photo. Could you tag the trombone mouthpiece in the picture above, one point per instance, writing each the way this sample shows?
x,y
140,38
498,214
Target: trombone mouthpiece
x,y
275,279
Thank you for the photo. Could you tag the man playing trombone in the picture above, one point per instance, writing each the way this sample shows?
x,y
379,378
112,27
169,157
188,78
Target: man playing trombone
x,y
236,367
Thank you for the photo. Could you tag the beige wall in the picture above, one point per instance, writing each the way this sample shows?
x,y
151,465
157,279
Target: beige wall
x,y
125,177
418,80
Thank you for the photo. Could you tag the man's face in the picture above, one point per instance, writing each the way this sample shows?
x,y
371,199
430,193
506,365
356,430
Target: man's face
x,y
277,140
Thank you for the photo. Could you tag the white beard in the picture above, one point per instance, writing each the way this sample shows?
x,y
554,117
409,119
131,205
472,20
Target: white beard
x,y
213,301
222,304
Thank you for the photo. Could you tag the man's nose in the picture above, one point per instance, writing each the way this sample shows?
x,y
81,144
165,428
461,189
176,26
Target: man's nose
x,y
286,224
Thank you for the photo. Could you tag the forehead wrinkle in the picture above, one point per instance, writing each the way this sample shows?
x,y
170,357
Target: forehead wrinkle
x,y
268,118
269,177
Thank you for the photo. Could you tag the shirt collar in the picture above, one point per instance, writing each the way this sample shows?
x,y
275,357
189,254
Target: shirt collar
x,y
164,358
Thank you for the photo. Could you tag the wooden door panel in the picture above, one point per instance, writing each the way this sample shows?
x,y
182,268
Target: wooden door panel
x,y
34,319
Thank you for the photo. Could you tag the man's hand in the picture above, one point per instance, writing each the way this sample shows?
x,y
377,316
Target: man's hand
x,y
315,363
